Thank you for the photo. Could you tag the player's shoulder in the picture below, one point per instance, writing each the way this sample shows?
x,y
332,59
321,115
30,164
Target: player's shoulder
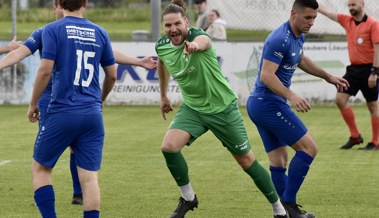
x,y
193,32
37,32
52,26
344,18
372,20
280,34
36,36
94,25
164,40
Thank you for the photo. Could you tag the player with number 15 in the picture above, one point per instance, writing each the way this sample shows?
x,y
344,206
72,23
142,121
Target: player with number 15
x,y
74,48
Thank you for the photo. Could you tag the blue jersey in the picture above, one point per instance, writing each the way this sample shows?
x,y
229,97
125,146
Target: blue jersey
x,y
78,48
34,43
284,48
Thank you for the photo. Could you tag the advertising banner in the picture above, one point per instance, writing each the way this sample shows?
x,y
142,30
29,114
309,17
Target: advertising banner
x,y
239,63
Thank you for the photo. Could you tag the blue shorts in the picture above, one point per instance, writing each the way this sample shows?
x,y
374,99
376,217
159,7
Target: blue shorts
x,y
277,124
85,135
43,103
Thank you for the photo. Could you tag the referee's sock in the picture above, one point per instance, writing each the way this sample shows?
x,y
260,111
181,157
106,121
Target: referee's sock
x,y
375,130
348,116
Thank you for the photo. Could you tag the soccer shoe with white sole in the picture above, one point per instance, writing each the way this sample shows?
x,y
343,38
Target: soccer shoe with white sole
x,y
183,207
294,211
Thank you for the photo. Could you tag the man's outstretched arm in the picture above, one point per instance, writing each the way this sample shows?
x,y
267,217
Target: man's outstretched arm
x,y
330,14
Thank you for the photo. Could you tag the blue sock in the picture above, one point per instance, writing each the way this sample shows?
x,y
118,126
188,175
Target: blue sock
x,y
74,176
297,171
279,178
91,214
45,199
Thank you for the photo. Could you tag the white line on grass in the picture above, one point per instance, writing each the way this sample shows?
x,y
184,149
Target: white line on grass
x,y
4,162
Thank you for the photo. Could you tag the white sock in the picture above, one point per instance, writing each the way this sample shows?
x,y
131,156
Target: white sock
x,y
277,208
187,192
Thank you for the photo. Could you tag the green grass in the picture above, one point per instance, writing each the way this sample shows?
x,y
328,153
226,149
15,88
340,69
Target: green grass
x,y
135,182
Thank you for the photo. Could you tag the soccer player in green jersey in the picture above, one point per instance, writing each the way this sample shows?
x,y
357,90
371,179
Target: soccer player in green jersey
x,y
187,54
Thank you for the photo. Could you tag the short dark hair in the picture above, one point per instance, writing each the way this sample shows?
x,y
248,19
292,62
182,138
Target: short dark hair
x,y
305,4
72,5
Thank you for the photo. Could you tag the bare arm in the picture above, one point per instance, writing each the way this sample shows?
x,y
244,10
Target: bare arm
x,y
147,62
372,80
42,79
269,78
376,55
109,80
164,78
15,56
307,65
14,44
200,43
330,14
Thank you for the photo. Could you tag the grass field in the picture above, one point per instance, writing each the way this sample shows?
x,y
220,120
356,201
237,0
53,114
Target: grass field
x,y
135,182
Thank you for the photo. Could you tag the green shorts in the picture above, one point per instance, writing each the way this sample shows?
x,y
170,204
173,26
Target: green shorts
x,y
227,126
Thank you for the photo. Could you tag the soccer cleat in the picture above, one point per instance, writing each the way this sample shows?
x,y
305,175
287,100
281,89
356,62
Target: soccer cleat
x,y
369,146
183,207
352,141
77,199
294,211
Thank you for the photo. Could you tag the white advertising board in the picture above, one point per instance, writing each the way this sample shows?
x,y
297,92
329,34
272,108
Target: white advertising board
x,y
239,63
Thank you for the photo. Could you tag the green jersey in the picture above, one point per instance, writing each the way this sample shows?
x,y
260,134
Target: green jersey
x,y
202,84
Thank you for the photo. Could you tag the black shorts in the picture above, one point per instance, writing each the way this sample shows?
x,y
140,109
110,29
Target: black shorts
x,y
357,76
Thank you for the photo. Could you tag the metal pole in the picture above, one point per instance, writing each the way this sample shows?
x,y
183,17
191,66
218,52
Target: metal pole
x,y
14,30
14,16
155,19
124,7
191,16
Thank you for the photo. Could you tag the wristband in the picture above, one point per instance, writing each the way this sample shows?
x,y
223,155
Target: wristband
x,y
375,71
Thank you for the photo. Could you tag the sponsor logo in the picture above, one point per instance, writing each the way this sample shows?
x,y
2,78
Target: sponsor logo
x,y
290,67
278,54
84,34
242,146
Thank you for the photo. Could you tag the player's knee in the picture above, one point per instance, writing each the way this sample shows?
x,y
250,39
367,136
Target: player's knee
x,y
170,146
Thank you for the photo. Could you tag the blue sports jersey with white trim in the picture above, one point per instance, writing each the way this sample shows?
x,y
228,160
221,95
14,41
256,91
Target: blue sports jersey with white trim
x,y
284,48
34,43
78,48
